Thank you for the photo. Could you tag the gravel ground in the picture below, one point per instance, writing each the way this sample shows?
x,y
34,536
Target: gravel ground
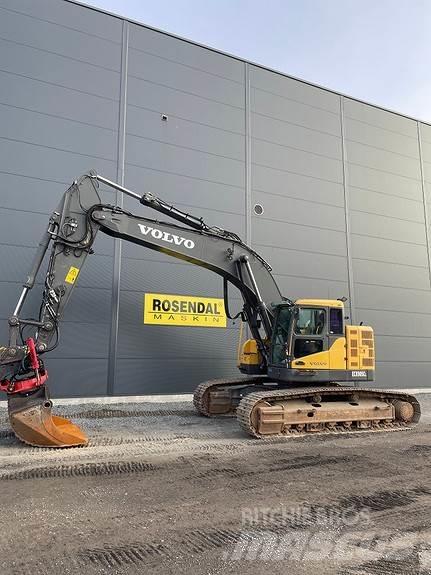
x,y
161,490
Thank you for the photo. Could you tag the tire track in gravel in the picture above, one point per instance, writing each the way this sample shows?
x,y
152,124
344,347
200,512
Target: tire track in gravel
x,y
190,541
201,540
408,563
385,500
80,470
290,464
126,413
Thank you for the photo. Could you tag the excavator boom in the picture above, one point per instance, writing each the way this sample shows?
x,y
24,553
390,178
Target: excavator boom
x,y
70,235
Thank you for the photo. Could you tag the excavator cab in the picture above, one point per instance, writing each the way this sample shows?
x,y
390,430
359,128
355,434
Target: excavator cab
x,y
310,340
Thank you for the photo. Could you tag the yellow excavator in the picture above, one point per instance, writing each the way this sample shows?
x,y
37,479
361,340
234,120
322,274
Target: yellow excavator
x,y
302,365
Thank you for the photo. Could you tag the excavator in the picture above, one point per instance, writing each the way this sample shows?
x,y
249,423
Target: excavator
x,y
302,365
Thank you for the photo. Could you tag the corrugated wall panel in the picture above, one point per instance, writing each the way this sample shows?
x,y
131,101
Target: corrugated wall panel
x,y
389,240
297,176
59,113
196,160
61,72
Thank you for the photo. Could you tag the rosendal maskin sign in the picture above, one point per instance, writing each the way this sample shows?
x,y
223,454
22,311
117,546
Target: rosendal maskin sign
x,y
192,311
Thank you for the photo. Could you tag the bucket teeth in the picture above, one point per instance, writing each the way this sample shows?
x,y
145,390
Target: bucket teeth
x,y
33,423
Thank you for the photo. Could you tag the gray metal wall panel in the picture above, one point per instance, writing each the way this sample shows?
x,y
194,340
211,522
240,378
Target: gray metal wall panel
x,y
145,94
50,37
297,262
49,67
291,160
183,78
386,227
177,375
296,211
53,100
384,182
196,161
320,241
383,250
293,90
60,69
37,161
392,206
392,275
297,176
211,197
297,186
392,348
402,374
184,133
372,157
393,299
59,115
78,377
389,239
66,135
168,277
185,53
185,162
292,112
68,15
364,133
388,323
379,118
304,286
298,137
41,196
137,340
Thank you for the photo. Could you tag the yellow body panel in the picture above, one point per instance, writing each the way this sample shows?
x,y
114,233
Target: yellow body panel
x,y
250,355
320,302
353,352
360,347
337,351
333,358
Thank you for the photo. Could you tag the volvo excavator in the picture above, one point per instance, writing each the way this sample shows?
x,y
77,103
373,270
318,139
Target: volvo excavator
x,y
302,366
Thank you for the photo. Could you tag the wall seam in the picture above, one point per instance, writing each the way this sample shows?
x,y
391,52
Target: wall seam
x,y
121,150
347,215
424,198
248,234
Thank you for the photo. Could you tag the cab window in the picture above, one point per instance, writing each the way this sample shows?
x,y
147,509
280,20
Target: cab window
x,y
336,321
310,321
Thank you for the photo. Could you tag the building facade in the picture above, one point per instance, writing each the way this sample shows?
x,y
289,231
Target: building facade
x,y
344,186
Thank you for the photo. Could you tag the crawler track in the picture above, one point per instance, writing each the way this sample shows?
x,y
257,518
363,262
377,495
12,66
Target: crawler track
x,y
201,393
248,404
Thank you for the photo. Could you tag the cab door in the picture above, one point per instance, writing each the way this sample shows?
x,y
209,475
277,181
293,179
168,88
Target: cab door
x,y
311,338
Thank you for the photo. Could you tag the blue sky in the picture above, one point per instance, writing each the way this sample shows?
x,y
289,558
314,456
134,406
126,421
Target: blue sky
x,y
375,50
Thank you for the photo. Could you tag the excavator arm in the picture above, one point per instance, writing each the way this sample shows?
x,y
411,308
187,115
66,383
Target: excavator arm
x,y
70,235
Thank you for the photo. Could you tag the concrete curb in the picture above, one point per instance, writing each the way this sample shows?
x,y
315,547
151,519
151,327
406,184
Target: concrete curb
x,y
119,399
174,398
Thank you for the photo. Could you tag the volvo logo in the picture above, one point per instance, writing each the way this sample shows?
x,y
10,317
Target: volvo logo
x,y
166,237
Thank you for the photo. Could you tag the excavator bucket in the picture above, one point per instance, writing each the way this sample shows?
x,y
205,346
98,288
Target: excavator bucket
x,y
33,423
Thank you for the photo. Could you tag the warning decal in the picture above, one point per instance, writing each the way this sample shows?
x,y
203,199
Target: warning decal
x,y
72,274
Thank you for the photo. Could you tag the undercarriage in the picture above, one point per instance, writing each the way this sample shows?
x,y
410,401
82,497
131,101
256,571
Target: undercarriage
x,y
265,408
